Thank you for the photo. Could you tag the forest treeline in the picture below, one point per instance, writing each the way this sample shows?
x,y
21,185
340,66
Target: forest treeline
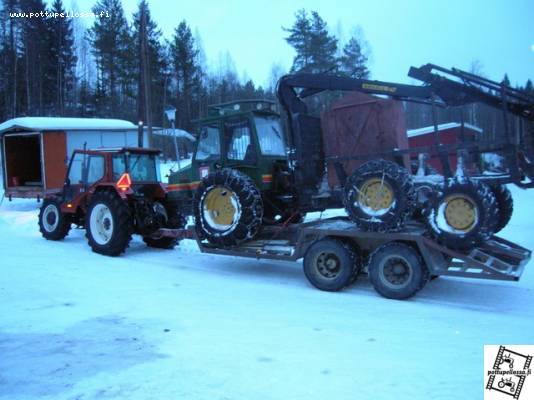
x,y
124,67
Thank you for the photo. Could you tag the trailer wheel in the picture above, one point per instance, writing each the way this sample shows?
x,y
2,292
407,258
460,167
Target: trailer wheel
x,y
396,271
228,208
463,214
53,224
379,196
330,264
175,220
109,224
505,205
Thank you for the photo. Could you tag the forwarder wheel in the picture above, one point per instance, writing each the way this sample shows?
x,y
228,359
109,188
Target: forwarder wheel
x,y
331,264
396,271
175,220
53,224
379,196
505,205
462,215
228,208
109,225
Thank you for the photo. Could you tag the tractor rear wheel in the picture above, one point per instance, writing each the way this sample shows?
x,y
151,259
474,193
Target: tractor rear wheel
x,y
228,208
175,220
109,225
505,205
463,214
53,224
379,196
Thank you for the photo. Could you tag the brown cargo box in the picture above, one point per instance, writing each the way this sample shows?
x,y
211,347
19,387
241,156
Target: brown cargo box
x,y
360,124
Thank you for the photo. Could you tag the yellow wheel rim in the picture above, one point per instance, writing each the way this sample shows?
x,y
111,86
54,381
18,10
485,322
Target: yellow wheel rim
x,y
460,212
376,194
220,207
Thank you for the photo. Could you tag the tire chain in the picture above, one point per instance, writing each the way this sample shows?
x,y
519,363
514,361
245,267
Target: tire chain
x,y
398,174
249,197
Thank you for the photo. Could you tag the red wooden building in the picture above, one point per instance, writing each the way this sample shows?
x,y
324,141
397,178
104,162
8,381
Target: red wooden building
x,y
449,133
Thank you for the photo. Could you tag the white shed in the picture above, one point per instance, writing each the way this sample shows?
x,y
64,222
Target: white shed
x,y
35,150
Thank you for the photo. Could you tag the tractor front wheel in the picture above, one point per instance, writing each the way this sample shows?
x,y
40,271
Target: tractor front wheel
x,y
53,224
109,224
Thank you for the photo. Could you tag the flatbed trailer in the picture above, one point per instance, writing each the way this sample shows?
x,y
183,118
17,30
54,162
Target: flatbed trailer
x,y
399,264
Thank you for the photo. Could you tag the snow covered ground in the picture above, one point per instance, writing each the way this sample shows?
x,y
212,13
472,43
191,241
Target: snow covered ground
x,y
157,324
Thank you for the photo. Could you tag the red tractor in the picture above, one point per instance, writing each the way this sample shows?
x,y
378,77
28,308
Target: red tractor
x,y
113,193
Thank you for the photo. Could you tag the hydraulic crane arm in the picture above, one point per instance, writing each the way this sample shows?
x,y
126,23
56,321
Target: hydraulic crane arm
x,y
315,83
452,87
465,87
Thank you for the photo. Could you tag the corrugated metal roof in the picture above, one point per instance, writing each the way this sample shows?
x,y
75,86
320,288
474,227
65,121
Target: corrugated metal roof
x,y
64,124
441,127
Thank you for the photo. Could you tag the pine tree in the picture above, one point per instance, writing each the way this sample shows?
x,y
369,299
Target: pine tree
x,y
186,72
529,87
113,50
353,62
315,47
323,45
300,35
10,63
506,80
156,62
62,57
36,61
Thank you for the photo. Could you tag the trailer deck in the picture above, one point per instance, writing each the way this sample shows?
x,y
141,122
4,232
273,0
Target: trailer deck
x,y
497,259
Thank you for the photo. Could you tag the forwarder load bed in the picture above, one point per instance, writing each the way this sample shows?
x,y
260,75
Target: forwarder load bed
x,y
497,259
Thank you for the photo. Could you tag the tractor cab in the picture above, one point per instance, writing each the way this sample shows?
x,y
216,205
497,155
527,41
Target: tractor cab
x,y
130,170
243,135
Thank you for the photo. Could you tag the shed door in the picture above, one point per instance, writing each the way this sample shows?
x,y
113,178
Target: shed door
x,y
55,159
22,153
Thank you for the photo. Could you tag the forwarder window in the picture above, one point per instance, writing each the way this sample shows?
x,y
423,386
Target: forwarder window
x,y
270,136
209,145
239,144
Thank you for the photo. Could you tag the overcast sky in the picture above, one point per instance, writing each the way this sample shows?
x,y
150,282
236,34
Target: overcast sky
x,y
497,33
